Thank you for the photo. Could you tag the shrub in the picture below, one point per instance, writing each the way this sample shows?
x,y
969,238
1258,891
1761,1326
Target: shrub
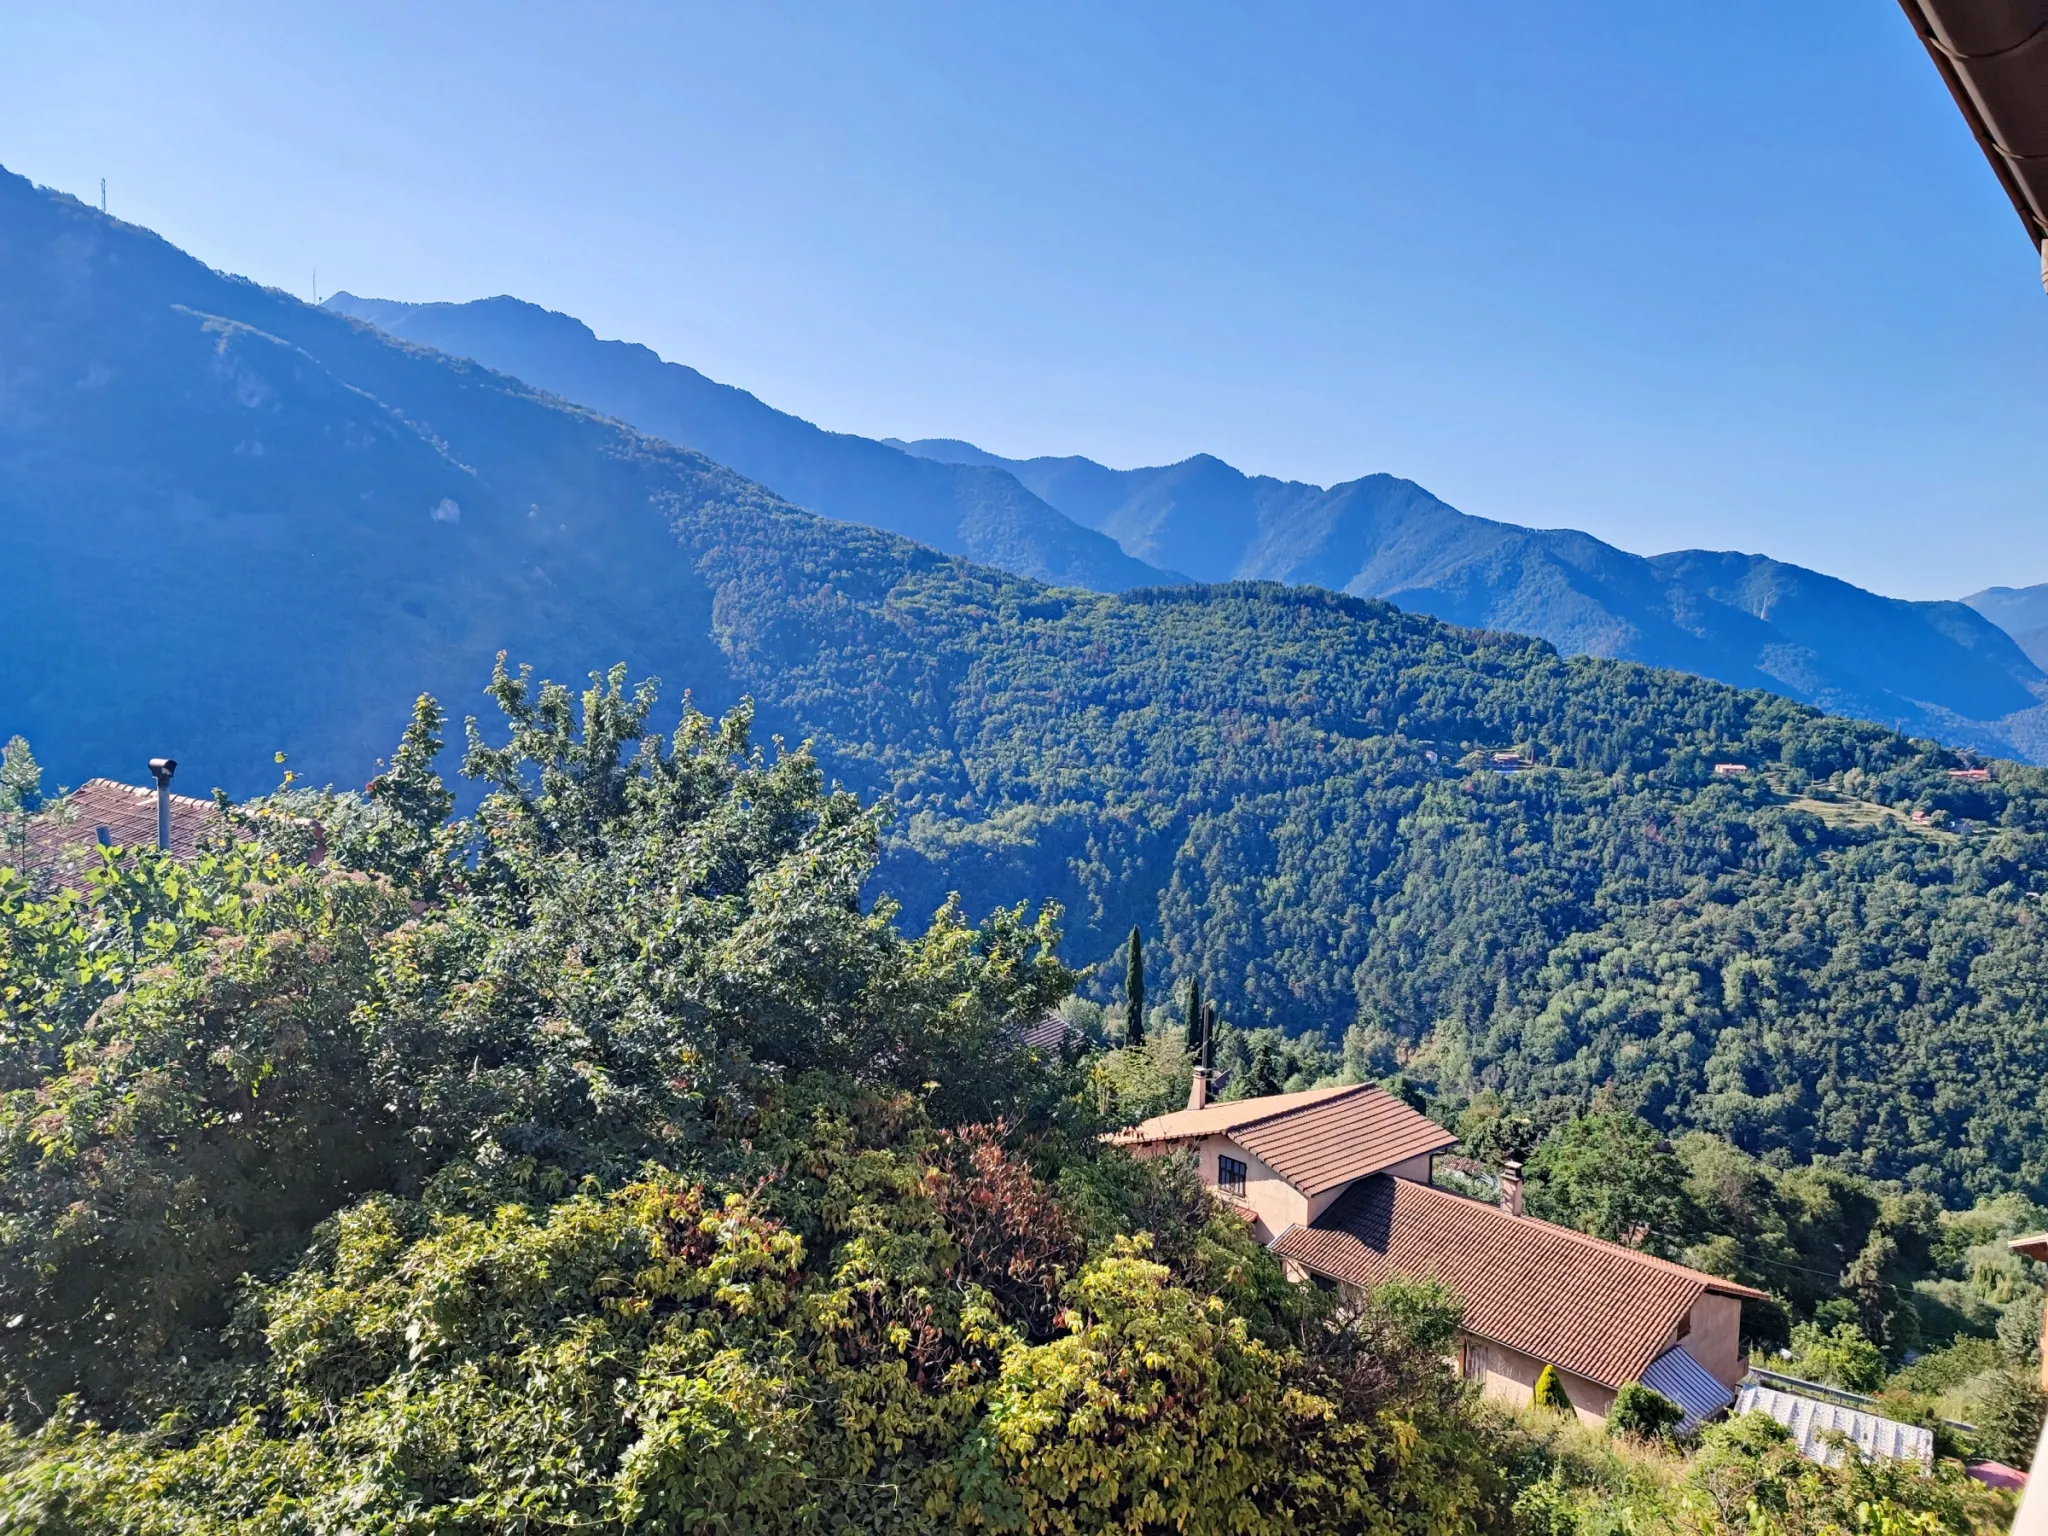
x,y
1550,1391
1640,1411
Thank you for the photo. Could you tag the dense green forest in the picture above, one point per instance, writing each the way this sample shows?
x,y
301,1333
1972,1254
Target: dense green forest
x,y
606,1161
1835,954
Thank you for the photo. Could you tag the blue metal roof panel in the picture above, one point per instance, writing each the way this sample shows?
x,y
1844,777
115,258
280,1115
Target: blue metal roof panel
x,y
1676,1375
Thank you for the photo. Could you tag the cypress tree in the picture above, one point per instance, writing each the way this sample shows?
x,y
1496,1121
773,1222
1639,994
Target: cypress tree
x,y
1134,994
1550,1391
1194,1041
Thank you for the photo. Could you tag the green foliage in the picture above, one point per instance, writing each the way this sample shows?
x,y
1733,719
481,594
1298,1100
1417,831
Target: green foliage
x,y
1748,1476
21,795
604,1161
1610,1174
1840,1357
2007,1408
1134,993
1550,1393
1640,1411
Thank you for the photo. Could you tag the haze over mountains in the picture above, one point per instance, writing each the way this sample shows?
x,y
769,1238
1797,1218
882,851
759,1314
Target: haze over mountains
x,y
1939,669
959,509
1932,668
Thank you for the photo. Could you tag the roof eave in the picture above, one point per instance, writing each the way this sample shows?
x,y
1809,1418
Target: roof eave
x,y
2024,176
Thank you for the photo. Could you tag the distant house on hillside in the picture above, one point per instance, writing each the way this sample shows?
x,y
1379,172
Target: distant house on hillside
x,y
1971,775
1731,770
1336,1181
1509,762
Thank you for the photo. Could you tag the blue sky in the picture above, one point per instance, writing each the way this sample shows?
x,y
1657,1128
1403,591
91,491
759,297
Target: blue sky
x,y
1731,276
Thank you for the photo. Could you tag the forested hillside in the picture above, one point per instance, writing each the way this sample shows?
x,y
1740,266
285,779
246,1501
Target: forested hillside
x,y
605,1163
236,524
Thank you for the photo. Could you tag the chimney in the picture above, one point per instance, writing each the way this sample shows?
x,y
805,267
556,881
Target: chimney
x,y
1511,1186
1198,1090
161,769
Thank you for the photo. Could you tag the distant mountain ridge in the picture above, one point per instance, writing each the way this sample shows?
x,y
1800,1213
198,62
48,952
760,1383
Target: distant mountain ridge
x,y
968,510
1939,669
2021,612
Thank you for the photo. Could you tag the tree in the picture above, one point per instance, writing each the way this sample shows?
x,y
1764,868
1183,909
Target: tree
x,y
1842,1357
2008,1414
1549,1391
1610,1174
1134,993
1194,1019
21,793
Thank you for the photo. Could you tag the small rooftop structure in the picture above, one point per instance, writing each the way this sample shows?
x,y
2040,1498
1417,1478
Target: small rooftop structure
x,y
1677,1377
1815,1426
1603,1312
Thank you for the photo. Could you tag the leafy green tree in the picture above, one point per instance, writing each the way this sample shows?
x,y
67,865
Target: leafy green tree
x,y
1610,1174
1549,1391
2008,1412
1840,1356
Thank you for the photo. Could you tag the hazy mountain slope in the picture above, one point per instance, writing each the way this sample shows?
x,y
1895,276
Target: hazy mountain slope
x,y
982,513
218,526
1934,668
2021,612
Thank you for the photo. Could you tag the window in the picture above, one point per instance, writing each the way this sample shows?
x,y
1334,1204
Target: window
x,y
1230,1176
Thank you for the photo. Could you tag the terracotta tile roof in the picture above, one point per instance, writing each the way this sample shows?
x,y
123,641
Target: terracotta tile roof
x,y
1316,1139
1222,1118
1320,1146
128,812
1593,1308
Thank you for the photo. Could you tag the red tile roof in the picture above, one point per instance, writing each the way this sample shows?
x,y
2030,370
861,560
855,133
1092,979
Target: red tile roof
x,y
129,815
1315,1140
1593,1308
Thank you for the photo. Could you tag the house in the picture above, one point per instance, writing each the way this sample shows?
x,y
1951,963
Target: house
x,y
1281,1160
1731,770
1336,1181
1971,775
1509,762
1536,1294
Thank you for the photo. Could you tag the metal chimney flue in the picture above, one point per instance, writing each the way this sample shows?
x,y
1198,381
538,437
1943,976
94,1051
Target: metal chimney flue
x,y
161,769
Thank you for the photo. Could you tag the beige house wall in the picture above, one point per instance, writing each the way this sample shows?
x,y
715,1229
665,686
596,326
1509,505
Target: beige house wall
x,y
1509,1376
1277,1204
1715,1337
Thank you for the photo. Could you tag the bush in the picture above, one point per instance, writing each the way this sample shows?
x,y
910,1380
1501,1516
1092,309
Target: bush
x,y
2008,1416
1842,1357
1550,1391
1640,1411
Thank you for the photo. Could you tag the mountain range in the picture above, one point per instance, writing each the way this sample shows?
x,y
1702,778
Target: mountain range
x,y
961,509
1938,669
234,524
